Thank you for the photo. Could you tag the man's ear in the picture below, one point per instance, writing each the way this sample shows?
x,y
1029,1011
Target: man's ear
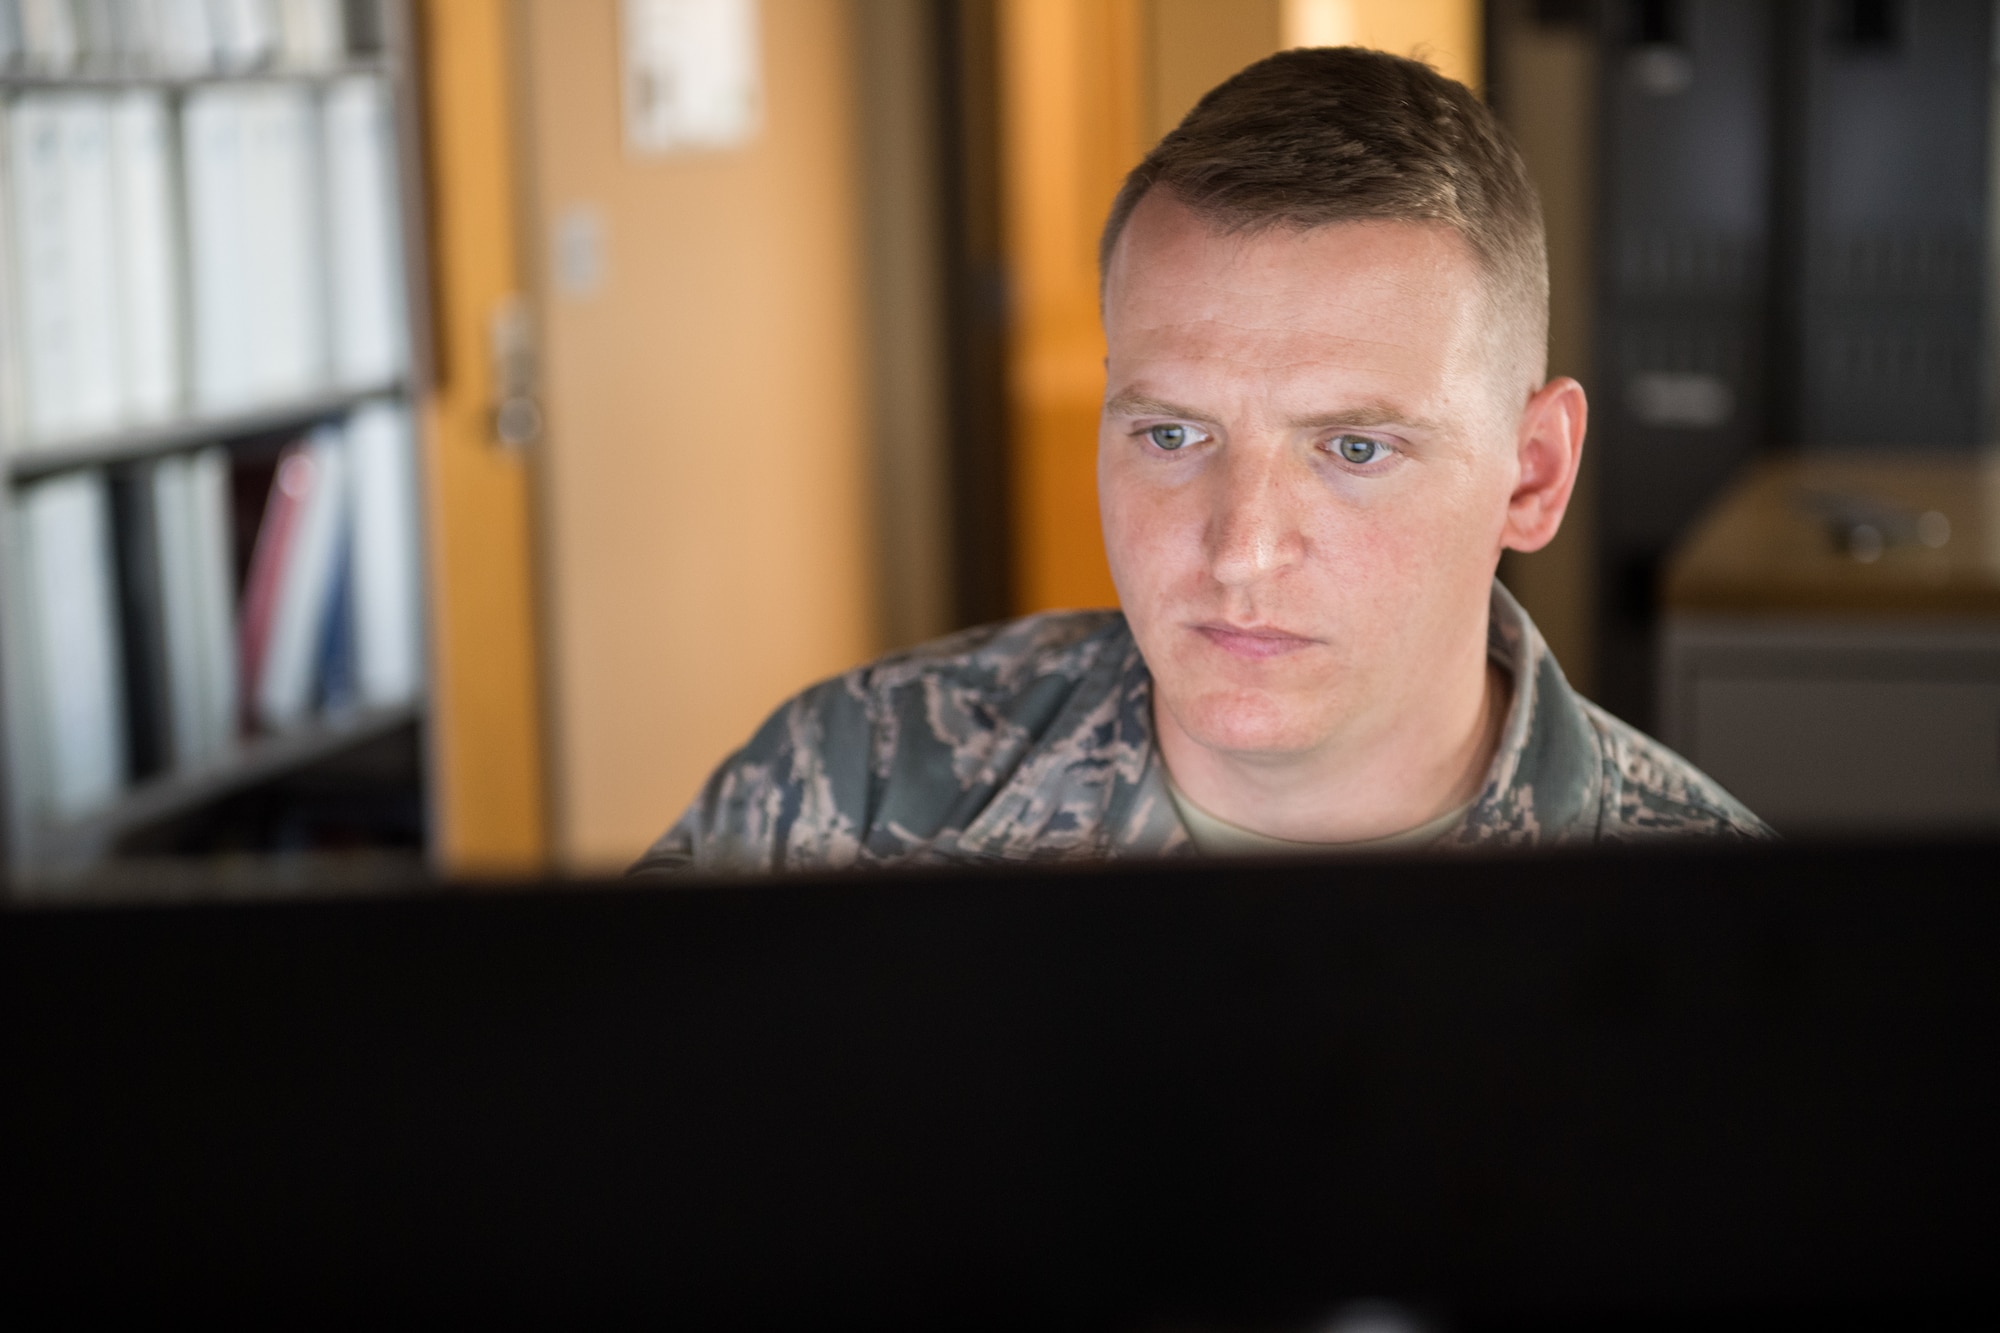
x,y
1549,446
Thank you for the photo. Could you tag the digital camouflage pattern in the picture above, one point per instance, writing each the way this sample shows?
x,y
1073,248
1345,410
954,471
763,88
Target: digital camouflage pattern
x,y
1033,740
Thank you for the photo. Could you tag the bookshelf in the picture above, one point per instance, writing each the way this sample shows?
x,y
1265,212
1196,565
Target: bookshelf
x,y
194,432
87,78
257,759
213,338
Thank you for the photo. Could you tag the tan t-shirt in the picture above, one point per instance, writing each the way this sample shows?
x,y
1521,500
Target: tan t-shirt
x,y
1216,836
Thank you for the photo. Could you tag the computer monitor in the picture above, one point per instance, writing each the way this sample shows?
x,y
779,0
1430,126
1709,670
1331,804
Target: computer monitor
x,y
1662,1086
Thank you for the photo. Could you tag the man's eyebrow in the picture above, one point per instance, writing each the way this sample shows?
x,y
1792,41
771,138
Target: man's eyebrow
x,y
1364,416
1144,405
1367,415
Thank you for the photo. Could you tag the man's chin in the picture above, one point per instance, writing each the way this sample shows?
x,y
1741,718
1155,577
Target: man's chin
x,y
1249,727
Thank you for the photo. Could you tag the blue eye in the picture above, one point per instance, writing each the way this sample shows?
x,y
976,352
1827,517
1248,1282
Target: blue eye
x,y
1358,449
1170,438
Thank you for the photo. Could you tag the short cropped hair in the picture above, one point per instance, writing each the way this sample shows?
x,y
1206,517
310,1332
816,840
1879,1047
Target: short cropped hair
x,y
1311,137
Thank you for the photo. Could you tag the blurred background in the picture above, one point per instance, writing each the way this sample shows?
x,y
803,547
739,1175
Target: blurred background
x,y
438,431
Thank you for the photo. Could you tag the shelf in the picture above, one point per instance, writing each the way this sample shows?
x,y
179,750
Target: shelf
x,y
224,801
290,877
255,760
135,442
100,78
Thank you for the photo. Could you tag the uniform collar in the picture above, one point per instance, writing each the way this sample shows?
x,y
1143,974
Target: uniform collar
x,y
1546,782
1094,788
1098,787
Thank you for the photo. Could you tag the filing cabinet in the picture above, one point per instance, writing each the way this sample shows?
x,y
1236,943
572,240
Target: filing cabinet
x,y
1831,643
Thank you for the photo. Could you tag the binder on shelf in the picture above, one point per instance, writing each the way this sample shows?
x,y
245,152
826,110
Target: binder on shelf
x,y
64,263
177,648
334,689
134,32
173,36
387,582
245,33
13,413
147,247
255,244
294,580
287,251
187,520
101,32
312,33
49,36
366,34
216,188
183,36
144,629
36,260
213,591
90,274
275,530
12,53
173,535
70,622
364,250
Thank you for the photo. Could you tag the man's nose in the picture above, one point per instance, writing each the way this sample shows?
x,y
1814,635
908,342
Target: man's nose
x,y
1254,530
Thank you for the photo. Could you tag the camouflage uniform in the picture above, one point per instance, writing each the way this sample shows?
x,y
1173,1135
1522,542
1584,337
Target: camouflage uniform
x,y
1033,740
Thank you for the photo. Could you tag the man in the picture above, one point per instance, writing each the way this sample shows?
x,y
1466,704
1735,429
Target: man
x,y
1325,299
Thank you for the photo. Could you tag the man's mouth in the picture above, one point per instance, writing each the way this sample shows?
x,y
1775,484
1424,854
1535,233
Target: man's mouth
x,y
1254,642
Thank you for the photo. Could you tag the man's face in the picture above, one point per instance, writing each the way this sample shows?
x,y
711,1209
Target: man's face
x,y
1303,468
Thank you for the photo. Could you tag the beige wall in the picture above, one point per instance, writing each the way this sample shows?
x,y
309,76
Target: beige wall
x,y
706,544
905,246
1551,88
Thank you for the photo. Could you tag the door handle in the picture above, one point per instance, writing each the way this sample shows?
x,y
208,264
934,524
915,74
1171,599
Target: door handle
x,y
517,408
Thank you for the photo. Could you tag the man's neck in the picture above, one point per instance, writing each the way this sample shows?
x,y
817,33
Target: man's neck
x,y
1372,786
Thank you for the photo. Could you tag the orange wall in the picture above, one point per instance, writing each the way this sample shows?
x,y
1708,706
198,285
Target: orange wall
x,y
1071,127
1192,45
1445,33
485,740
704,478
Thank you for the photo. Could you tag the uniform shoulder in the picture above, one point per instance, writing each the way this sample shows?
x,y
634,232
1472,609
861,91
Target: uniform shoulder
x,y
1654,791
897,750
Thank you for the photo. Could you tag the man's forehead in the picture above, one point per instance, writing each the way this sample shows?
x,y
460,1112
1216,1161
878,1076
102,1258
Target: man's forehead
x,y
1302,324
1164,234
1173,265
1182,287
